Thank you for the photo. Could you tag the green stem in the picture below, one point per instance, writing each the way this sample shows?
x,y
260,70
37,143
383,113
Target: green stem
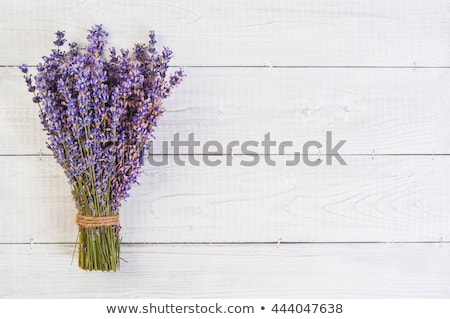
x,y
99,249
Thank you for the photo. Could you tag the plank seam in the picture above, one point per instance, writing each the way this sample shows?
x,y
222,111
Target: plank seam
x,y
412,67
262,154
274,243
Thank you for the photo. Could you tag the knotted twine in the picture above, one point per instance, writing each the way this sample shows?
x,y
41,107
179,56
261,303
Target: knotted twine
x,y
96,221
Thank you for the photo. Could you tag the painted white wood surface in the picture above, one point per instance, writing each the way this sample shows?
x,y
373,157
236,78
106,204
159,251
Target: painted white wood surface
x,y
243,32
233,271
387,111
353,67
387,199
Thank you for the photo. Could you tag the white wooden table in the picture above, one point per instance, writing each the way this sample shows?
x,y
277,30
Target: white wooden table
x,y
375,73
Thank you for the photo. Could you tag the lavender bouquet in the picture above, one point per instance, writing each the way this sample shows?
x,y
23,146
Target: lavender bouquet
x,y
99,114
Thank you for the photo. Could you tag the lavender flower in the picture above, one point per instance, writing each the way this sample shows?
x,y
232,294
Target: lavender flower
x,y
60,38
24,68
99,114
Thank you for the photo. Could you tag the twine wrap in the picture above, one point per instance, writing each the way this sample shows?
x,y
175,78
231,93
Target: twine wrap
x,y
96,221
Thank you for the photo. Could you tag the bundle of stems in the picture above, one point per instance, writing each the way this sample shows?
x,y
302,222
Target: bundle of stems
x,y
99,247
99,114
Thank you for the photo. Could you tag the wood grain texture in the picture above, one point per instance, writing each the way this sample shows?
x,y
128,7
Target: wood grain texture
x,y
233,271
386,199
373,72
390,111
287,32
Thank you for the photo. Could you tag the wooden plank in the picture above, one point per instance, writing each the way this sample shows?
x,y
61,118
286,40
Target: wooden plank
x,y
394,111
387,199
233,271
287,32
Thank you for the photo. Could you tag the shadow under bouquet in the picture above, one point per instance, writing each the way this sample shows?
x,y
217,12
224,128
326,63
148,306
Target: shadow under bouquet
x,y
99,111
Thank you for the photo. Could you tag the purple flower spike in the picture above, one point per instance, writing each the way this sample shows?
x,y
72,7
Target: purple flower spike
x,y
24,68
59,38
